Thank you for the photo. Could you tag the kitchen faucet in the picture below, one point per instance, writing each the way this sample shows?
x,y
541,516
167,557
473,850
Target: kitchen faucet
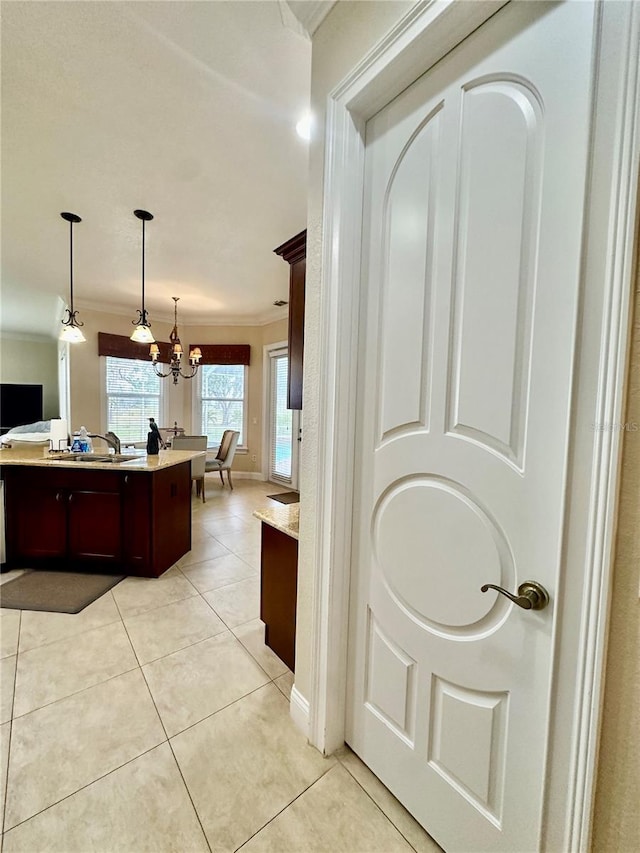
x,y
110,437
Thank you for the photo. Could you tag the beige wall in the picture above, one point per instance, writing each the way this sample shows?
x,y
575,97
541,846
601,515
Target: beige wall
x,y
343,39
87,396
32,361
617,807
345,36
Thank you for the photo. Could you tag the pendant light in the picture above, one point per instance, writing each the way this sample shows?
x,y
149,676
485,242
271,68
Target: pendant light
x,y
71,331
176,353
142,333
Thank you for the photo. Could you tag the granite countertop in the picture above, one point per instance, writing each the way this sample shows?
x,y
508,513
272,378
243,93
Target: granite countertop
x,y
40,456
284,517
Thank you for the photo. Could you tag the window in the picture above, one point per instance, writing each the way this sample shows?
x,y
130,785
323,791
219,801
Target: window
x,y
223,400
134,394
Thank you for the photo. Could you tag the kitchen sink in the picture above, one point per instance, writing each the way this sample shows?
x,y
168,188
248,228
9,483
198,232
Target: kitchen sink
x,y
113,458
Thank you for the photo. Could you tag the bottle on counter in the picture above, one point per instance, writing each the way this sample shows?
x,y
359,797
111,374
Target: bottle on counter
x,y
75,444
85,442
153,439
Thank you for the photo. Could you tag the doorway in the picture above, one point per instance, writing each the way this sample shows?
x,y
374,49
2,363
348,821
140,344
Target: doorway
x,y
282,423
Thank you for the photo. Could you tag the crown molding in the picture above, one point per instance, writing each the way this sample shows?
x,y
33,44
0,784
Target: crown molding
x,y
272,315
308,15
29,337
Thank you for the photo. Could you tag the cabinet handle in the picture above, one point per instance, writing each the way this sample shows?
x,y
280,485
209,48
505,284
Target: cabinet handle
x,y
58,496
126,478
70,497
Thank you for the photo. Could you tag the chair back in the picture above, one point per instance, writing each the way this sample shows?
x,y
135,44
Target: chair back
x,y
225,443
231,448
192,442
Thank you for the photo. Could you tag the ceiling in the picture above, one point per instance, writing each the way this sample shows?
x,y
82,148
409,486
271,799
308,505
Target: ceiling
x,y
184,109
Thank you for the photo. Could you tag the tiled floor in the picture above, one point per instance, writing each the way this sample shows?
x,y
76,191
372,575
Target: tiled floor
x,y
157,720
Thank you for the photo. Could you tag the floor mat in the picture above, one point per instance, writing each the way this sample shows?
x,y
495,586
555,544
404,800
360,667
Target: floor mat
x,y
55,592
286,497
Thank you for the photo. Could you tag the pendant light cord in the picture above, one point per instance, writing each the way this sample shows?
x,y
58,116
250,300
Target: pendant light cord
x,y
143,238
71,264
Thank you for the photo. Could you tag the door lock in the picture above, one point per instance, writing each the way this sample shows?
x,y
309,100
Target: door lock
x,y
531,595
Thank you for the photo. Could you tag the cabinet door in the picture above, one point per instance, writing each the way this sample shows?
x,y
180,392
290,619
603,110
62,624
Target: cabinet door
x,y
171,516
296,333
278,592
36,521
136,522
95,526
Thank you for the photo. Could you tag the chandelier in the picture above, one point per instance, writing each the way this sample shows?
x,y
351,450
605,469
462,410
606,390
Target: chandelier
x,y
176,353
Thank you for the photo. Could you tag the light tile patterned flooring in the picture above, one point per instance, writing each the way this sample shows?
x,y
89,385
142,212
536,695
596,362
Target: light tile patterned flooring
x,y
157,720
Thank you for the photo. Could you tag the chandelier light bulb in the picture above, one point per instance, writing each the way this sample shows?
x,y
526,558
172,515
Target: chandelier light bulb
x,y
72,335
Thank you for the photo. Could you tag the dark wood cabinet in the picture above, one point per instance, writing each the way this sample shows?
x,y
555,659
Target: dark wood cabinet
x,y
278,592
294,252
94,526
46,539
136,517
138,522
61,515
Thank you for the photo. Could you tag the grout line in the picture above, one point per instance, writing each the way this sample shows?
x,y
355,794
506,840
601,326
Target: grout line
x,y
71,636
217,711
10,721
75,693
231,583
87,630
83,787
378,806
297,797
193,805
156,606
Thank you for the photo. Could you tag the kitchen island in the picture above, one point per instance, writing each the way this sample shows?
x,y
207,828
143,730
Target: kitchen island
x,y
279,578
130,514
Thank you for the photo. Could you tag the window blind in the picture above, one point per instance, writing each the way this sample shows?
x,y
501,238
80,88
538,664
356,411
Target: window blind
x,y
133,396
223,399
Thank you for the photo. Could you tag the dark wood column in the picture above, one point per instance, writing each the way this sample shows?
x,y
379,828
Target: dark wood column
x,y
294,252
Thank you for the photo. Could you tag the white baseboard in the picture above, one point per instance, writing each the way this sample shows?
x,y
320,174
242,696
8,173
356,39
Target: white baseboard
x,y
247,475
299,710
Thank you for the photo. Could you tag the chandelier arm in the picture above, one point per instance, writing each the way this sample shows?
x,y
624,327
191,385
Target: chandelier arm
x,y
160,373
71,318
194,370
141,319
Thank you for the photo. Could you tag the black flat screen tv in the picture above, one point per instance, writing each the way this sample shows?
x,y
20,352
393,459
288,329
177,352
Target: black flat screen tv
x,y
19,404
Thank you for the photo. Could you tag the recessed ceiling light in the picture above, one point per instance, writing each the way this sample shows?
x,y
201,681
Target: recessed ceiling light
x,y
303,127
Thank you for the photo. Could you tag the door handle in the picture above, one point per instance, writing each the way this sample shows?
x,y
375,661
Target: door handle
x,y
531,595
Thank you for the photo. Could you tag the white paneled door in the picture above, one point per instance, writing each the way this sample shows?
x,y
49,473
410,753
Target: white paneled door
x,y
475,185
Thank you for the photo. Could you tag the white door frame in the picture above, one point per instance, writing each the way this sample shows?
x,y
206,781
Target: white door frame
x,y
431,29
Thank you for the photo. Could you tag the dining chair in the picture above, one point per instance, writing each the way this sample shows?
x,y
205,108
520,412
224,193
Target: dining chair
x,y
225,454
194,442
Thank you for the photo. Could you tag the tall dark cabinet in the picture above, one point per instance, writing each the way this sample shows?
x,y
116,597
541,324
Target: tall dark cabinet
x,y
294,252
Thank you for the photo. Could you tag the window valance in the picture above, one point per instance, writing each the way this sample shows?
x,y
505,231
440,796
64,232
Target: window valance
x,y
121,346
224,353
